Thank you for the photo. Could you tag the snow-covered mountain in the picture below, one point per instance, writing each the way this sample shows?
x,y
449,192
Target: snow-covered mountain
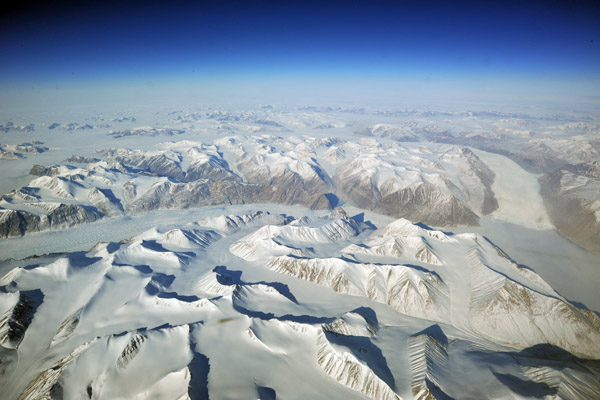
x,y
437,184
146,131
264,305
10,152
222,264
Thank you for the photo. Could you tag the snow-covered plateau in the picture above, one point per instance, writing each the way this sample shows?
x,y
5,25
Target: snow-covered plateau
x,y
294,253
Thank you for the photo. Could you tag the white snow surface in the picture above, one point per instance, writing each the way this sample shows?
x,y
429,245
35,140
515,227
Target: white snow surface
x,y
236,306
517,192
279,301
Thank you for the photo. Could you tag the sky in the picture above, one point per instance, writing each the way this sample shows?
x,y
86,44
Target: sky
x,y
351,48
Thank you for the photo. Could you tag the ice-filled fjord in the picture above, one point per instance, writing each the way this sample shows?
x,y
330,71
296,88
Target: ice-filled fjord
x,y
310,252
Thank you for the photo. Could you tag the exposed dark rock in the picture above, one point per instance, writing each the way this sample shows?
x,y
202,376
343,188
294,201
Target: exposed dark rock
x,y
216,169
19,222
428,205
326,201
81,160
14,325
573,209
40,170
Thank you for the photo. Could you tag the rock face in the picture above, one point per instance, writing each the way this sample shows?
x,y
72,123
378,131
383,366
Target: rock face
x,y
425,203
428,353
81,160
510,312
204,192
326,201
349,371
17,318
51,216
440,185
408,291
571,198
40,170
386,180
290,176
500,306
157,163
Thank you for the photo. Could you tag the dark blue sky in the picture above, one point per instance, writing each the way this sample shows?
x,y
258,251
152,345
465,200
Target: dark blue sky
x,y
70,43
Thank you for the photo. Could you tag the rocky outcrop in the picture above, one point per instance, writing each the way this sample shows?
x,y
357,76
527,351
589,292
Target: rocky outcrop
x,y
288,178
51,216
486,176
393,180
46,385
81,159
159,163
571,198
559,372
427,354
176,195
131,350
17,319
513,314
326,201
404,289
212,168
380,180
10,126
426,204
40,170
349,371
421,202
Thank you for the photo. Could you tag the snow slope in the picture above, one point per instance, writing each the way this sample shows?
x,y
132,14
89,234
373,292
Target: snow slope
x,y
436,184
264,305
195,291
